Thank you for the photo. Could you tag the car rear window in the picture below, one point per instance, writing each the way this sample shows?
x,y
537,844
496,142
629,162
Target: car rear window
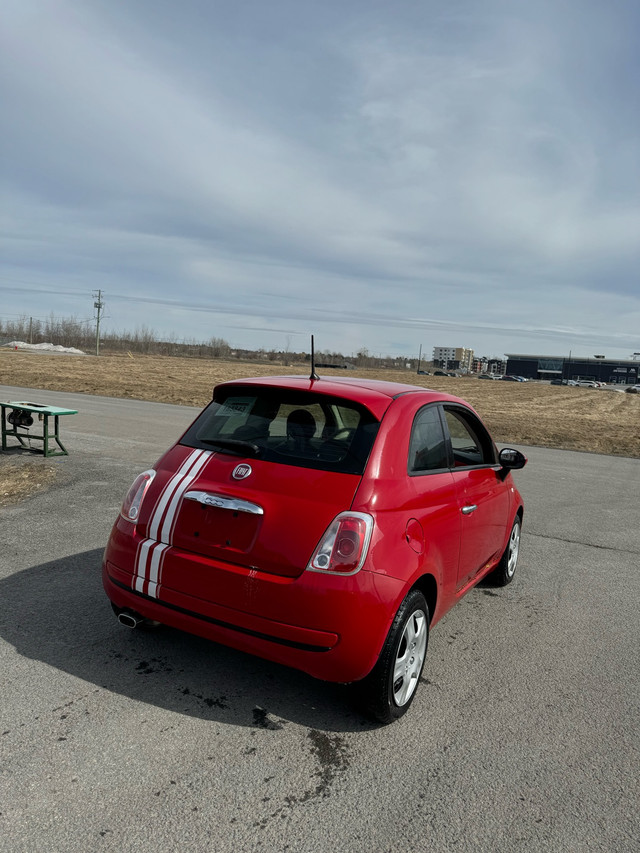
x,y
286,427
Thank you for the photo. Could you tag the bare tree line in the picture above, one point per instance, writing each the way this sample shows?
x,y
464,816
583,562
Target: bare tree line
x,y
62,331
81,334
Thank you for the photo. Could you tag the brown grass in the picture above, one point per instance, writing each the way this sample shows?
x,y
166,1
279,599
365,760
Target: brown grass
x,y
527,413
20,479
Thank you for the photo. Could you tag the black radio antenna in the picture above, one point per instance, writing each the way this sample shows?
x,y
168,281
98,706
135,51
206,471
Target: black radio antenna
x,y
314,375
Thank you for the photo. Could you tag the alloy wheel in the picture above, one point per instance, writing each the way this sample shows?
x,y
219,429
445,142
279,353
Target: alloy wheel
x,y
410,657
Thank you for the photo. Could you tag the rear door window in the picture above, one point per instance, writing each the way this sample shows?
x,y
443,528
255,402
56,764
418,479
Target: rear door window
x,y
471,444
289,427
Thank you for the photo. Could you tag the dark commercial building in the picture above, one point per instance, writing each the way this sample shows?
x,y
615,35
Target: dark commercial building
x,y
618,371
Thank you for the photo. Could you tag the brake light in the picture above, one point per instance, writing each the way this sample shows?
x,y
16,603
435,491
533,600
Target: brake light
x,y
343,548
133,501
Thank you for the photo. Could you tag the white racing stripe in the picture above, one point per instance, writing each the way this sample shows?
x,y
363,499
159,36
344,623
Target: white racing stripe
x,y
154,570
169,490
151,551
141,564
168,525
148,564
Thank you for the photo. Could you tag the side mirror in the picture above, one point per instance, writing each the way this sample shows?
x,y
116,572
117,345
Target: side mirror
x,y
511,459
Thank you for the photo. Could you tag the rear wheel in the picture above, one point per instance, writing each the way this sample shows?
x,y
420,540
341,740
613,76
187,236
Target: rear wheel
x,y
387,692
506,568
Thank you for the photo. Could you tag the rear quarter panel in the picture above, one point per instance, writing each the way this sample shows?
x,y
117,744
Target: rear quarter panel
x,y
395,499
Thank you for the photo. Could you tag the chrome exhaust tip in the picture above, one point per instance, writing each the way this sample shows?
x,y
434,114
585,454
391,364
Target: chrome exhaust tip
x,y
130,619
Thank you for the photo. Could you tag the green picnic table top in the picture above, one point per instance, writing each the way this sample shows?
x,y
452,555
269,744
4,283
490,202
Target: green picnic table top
x,y
39,407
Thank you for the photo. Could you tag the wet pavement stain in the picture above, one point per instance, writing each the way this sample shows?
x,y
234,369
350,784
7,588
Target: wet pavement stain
x,y
262,721
153,665
331,754
332,757
210,702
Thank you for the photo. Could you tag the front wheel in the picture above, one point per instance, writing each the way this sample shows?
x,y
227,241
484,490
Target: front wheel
x,y
387,692
506,568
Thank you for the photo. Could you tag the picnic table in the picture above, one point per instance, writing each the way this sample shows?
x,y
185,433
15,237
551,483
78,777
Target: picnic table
x,y
22,416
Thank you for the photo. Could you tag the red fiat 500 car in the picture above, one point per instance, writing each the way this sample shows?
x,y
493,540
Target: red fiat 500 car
x,y
325,524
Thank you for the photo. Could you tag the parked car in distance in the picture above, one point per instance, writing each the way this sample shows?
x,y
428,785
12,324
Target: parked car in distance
x,y
440,373
633,389
508,378
325,524
486,376
586,383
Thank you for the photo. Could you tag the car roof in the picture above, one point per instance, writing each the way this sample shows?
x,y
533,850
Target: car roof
x,y
375,394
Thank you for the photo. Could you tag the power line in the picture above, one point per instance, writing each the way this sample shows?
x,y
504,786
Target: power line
x,y
21,288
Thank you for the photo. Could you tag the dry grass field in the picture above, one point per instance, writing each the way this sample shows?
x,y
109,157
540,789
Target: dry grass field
x,y
20,479
529,413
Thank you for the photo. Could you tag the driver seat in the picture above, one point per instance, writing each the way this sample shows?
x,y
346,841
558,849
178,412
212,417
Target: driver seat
x,y
301,427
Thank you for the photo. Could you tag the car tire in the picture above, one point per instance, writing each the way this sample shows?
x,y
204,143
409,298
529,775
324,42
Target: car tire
x,y
506,568
389,689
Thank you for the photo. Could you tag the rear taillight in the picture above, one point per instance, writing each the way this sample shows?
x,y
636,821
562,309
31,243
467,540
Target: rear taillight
x,y
133,501
343,548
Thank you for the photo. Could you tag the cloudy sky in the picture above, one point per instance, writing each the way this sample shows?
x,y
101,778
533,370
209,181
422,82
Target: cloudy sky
x,y
386,175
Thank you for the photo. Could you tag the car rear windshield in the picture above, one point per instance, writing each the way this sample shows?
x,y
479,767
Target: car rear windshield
x,y
287,427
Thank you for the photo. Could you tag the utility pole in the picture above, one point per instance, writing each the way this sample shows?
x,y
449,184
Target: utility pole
x,y
98,305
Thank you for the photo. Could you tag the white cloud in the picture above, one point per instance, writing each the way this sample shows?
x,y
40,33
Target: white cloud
x,y
388,178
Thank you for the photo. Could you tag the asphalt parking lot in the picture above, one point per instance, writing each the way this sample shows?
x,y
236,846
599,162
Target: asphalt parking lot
x,y
524,735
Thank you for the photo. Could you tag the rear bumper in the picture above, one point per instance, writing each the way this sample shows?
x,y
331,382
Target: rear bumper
x,y
329,626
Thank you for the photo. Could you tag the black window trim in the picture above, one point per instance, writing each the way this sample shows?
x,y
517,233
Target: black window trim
x,y
456,407
451,467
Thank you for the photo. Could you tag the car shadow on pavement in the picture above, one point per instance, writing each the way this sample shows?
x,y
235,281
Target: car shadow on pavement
x,y
58,613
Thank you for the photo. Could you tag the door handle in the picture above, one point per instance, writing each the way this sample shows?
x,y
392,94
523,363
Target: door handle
x,y
225,502
467,510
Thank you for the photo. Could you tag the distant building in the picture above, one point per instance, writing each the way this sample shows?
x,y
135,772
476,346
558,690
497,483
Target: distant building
x,y
496,366
453,358
610,370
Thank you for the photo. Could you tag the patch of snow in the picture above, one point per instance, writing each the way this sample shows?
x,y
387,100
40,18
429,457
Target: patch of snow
x,y
44,347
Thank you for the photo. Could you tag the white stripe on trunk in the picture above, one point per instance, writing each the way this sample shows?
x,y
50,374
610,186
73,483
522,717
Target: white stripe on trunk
x,y
168,525
167,493
150,557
